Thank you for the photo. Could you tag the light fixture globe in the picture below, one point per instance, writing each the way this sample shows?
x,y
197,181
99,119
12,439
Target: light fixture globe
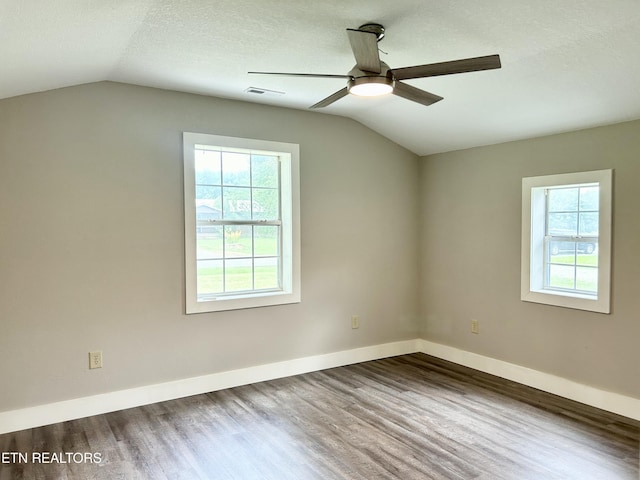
x,y
370,86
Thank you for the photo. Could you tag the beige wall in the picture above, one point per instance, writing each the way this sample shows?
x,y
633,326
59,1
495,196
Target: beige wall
x,y
470,265
91,242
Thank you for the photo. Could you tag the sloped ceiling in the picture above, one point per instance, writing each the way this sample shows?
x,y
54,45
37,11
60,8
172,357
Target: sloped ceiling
x,y
567,64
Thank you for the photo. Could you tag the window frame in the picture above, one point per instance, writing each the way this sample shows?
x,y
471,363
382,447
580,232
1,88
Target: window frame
x,y
534,240
289,193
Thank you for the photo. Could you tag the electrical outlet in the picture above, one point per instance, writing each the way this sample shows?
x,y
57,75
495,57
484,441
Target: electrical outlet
x,y
475,328
355,321
95,360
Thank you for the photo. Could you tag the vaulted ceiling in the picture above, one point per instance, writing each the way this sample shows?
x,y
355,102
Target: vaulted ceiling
x,y
566,65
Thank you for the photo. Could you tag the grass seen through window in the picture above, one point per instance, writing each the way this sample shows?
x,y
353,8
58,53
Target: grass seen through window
x,y
241,252
571,271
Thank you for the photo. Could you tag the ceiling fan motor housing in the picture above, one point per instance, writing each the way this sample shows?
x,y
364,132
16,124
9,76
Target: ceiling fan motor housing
x,y
370,84
375,28
385,71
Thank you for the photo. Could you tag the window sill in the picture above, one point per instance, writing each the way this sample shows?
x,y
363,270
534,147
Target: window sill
x,y
583,296
238,302
577,301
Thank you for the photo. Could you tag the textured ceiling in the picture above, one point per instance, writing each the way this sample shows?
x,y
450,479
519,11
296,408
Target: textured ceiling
x,y
567,64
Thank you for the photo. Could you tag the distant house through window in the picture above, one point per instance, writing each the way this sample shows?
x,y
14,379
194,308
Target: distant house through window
x,y
566,240
241,223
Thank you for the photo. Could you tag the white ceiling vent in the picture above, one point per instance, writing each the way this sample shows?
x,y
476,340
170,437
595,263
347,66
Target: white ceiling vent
x,y
263,91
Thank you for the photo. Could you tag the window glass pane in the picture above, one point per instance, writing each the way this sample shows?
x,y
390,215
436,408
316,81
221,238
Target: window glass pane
x,y
589,198
562,224
208,193
266,273
205,215
561,248
264,171
587,254
587,279
238,241
209,242
562,253
235,169
207,166
588,223
561,276
563,199
237,203
209,278
238,275
266,240
265,204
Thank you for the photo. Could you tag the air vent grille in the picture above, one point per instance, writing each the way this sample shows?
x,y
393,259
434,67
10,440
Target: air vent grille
x,y
263,91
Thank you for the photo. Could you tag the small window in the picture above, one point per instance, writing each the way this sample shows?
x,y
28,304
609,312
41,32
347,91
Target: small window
x,y
566,240
241,223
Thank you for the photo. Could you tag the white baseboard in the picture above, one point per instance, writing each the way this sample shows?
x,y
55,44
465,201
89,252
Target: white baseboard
x,y
14,420
609,401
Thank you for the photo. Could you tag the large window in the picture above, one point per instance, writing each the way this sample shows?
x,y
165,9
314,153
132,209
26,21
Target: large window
x,y
566,240
241,223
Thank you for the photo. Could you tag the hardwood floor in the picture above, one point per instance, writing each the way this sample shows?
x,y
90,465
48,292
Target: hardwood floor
x,y
408,417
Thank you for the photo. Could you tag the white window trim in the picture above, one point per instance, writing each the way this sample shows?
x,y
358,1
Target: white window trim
x,y
531,289
290,186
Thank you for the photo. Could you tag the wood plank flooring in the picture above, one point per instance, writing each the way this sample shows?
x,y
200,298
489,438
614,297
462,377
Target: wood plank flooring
x,y
408,417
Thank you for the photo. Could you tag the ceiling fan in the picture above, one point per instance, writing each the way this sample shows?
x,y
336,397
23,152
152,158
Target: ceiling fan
x,y
373,77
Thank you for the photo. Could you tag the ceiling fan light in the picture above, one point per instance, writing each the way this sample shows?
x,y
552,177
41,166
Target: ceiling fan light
x,y
370,86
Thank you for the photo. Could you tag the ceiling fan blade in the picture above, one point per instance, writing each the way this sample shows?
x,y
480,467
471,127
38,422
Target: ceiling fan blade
x,y
317,75
331,98
365,50
447,68
414,94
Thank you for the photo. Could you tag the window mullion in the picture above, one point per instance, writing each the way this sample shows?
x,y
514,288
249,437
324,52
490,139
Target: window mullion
x,y
244,222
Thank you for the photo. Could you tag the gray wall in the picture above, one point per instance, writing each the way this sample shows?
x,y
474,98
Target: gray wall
x,y
470,264
91,246
91,242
